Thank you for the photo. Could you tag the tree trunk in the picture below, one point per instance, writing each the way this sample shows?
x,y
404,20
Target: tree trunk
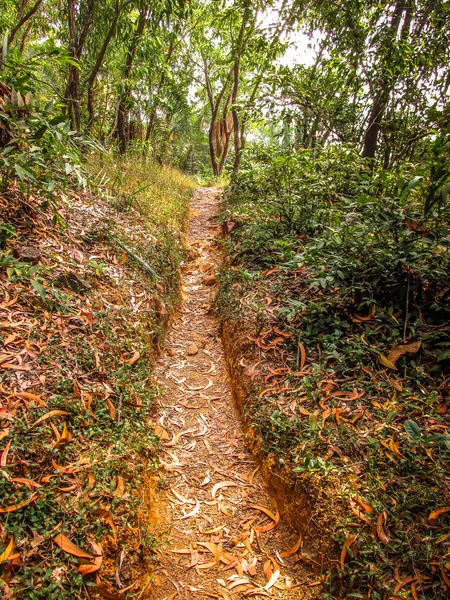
x,y
98,63
23,18
125,98
386,81
73,97
77,40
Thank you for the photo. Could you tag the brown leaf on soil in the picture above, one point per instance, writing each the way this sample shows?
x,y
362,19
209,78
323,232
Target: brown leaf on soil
x,y
213,548
7,552
275,519
402,349
49,415
120,487
4,457
302,351
105,592
369,317
70,548
380,531
105,514
347,544
293,550
437,512
14,507
386,362
111,409
131,361
94,566
28,396
221,485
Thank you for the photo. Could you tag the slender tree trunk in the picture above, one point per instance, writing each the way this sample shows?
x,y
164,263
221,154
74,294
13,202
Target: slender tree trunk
x,y
125,99
23,18
78,33
162,80
98,63
381,97
216,126
379,105
24,37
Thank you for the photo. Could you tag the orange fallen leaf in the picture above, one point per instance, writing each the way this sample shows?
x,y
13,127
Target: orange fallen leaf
x,y
131,361
347,544
444,575
7,552
120,487
70,548
402,349
101,588
386,362
275,519
105,514
28,396
14,507
28,482
293,550
111,408
380,531
49,415
437,512
4,457
213,548
302,351
94,566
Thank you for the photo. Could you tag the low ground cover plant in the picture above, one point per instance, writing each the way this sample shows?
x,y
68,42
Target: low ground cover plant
x,y
345,272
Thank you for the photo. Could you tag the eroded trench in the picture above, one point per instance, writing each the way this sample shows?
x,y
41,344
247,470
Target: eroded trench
x,y
220,533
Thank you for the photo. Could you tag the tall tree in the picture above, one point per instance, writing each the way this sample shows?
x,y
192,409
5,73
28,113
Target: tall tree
x,y
79,17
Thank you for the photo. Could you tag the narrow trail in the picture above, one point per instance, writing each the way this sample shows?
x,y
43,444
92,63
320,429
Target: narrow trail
x,y
217,542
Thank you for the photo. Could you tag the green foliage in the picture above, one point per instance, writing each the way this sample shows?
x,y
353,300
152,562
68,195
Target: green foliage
x,y
40,152
346,260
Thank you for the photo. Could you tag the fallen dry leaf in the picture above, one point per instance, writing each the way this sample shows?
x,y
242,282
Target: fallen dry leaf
x,y
4,457
7,552
437,512
386,362
302,352
120,487
221,485
14,507
49,415
105,514
94,566
380,531
347,544
402,349
293,550
70,548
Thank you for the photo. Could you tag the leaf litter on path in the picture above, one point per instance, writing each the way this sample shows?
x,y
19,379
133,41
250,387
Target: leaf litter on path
x,y
213,509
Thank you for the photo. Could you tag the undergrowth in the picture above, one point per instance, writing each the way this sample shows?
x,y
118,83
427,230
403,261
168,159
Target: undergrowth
x,y
344,273
81,323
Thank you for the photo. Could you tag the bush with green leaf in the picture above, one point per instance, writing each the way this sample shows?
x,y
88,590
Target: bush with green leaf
x,y
38,150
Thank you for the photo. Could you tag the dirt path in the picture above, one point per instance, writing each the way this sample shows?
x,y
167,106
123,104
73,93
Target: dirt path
x,y
211,503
